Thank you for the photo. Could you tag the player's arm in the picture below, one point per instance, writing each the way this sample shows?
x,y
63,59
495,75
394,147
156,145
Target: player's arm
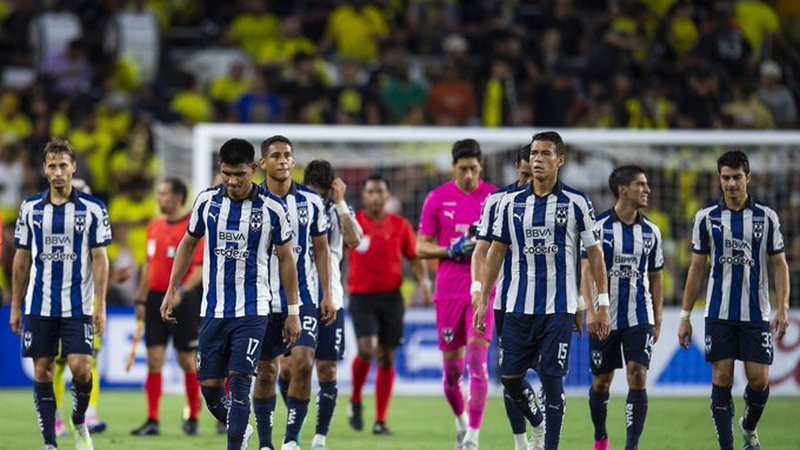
x,y
141,293
657,293
427,248
100,274
476,267
351,230
494,259
694,284
322,259
183,260
597,266
586,292
20,272
781,271
288,272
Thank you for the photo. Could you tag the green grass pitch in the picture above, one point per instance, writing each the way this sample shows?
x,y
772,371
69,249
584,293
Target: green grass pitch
x,y
418,423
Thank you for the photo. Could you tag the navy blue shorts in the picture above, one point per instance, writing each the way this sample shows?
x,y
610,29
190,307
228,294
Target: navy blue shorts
x,y
745,341
330,346
41,336
635,342
540,341
229,345
273,336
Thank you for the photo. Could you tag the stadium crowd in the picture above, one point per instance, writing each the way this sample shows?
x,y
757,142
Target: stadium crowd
x,y
648,64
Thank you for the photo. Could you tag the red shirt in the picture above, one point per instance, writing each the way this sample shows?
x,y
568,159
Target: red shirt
x,y
376,266
163,238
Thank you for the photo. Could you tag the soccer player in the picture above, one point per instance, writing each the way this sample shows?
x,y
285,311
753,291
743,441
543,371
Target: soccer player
x,y
344,230
163,236
376,305
741,235
61,237
309,224
542,226
484,236
447,232
243,225
632,249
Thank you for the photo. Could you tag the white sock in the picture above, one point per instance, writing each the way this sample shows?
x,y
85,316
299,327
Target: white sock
x,y
319,439
91,412
461,422
520,441
472,435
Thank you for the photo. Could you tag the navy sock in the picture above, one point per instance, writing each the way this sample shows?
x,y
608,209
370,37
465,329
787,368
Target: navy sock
x,y
722,412
217,402
635,414
515,417
80,396
264,409
326,403
755,402
553,388
522,395
598,407
239,412
45,401
296,416
283,388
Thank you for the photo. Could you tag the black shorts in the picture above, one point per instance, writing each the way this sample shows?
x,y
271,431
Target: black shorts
x,y
636,342
745,341
229,345
379,315
184,333
273,335
41,336
536,340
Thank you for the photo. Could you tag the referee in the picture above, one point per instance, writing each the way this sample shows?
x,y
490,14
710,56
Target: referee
x,y
163,236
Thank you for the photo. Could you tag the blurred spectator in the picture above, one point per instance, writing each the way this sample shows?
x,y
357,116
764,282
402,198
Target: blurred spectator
x,y
70,70
556,102
352,102
231,86
133,208
565,18
307,94
114,116
451,100
776,96
700,102
15,175
745,110
649,110
191,103
13,123
428,21
759,23
259,105
681,31
94,146
253,26
356,28
723,44
290,42
401,95
499,97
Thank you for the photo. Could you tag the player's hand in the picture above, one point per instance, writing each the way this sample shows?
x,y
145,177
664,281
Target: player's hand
x,y
15,321
461,249
291,330
578,328
780,323
338,188
167,308
139,312
328,311
478,314
656,330
99,321
603,323
685,334
591,323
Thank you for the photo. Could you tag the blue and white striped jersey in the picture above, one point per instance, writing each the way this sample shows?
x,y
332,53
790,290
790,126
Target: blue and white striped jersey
x,y
307,219
336,243
631,253
740,243
240,236
488,214
60,239
544,236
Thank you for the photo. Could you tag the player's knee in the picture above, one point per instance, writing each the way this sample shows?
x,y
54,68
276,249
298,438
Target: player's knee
x,y
43,373
601,384
513,386
366,353
301,367
385,358
187,361
267,373
326,371
637,377
722,379
759,383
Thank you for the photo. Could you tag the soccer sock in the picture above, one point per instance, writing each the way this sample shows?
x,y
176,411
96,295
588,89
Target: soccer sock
x,y
326,403
80,398
453,372
283,388
264,409
239,412
383,392
755,402
478,383
722,413
45,401
360,371
554,406
521,395
192,394
59,387
295,418
515,418
153,388
598,407
635,414
217,402
94,398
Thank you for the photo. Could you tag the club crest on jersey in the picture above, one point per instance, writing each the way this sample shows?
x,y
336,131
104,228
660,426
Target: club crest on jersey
x,y
256,219
302,214
80,223
758,228
562,213
647,242
447,335
597,358
27,340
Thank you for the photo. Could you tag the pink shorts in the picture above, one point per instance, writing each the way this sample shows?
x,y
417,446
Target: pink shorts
x,y
454,323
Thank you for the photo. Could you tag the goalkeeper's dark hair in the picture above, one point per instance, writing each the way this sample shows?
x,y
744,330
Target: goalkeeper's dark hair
x,y
237,151
550,136
623,176
377,176
318,173
465,149
265,144
735,159
523,154
178,187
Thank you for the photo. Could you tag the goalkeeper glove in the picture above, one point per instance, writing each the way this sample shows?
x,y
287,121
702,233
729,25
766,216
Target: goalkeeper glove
x,y
460,249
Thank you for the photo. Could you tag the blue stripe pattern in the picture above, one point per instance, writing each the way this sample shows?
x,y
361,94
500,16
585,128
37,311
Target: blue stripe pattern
x,y
755,271
716,271
623,292
56,265
76,291
213,211
251,264
641,306
519,305
232,224
539,260
737,270
38,283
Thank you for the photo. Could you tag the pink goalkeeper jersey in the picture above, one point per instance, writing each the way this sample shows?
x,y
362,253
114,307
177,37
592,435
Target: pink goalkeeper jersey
x,y
447,214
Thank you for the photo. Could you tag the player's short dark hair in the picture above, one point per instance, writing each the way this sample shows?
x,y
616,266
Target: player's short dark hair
x,y
550,136
178,187
271,140
465,149
735,159
237,151
318,173
623,176
57,145
523,154
379,177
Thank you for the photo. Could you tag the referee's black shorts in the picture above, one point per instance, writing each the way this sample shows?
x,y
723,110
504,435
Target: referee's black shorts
x,y
379,315
184,333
